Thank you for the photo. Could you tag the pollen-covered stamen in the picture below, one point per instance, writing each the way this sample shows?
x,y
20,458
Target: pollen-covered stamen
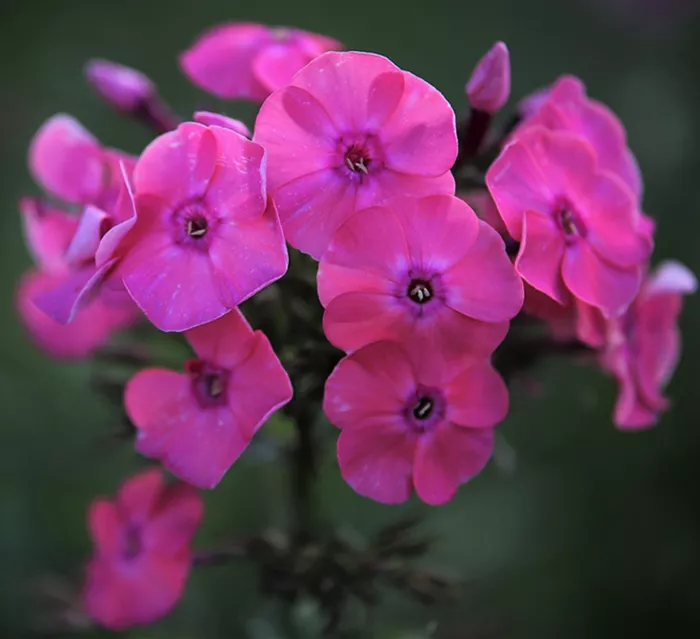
x,y
420,291
357,160
568,222
209,382
196,227
213,384
423,408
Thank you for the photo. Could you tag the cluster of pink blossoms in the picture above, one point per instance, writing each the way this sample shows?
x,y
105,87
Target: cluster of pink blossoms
x,y
353,162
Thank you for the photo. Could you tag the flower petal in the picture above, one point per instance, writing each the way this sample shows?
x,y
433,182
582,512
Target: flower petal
x,y
477,397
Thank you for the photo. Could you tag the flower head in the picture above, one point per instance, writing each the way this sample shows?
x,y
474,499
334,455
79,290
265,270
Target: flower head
x,y
249,61
579,227
197,423
122,87
489,86
565,107
643,346
142,550
410,420
205,236
350,131
415,268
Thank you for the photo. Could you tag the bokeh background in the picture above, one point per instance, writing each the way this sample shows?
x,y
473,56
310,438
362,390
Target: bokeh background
x,y
578,531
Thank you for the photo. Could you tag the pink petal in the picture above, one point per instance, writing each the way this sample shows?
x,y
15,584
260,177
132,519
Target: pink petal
x,y
139,494
275,65
312,208
47,232
541,254
93,224
65,159
105,526
237,187
380,257
377,461
591,325
72,292
298,135
225,342
596,282
247,255
421,137
448,457
178,165
630,412
385,94
221,60
477,397
373,381
175,521
517,184
484,285
439,230
207,118
489,85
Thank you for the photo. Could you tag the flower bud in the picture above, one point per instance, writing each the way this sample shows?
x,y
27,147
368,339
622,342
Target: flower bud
x,y
489,86
122,87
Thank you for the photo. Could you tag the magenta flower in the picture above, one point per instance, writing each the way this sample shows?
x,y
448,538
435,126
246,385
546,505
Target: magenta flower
x,y
578,226
565,107
70,164
249,61
643,346
418,268
350,131
410,419
205,236
198,423
142,554
122,87
489,86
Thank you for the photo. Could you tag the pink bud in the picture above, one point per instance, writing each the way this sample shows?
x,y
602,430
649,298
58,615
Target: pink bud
x,y
122,87
489,87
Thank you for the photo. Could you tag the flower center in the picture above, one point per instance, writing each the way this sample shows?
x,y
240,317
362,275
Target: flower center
x,y
196,227
423,408
208,382
357,159
569,221
420,291
132,542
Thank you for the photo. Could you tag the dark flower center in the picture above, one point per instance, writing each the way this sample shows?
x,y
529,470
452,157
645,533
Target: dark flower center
x,y
208,382
196,227
423,408
132,542
569,221
420,291
357,159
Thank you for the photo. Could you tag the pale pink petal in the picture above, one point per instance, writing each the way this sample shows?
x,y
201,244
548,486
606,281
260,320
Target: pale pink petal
x,y
221,60
374,381
541,255
671,277
377,461
178,165
477,397
484,285
447,458
65,159
47,232
596,282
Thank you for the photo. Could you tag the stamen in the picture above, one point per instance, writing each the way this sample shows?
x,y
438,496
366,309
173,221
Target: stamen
x,y
423,408
420,291
196,227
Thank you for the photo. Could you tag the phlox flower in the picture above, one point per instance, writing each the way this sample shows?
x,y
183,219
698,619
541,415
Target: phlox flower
x,y
249,61
142,553
205,236
197,423
579,227
410,419
418,268
350,131
642,347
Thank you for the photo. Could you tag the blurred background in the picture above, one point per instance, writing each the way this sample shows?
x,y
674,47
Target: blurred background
x,y
578,530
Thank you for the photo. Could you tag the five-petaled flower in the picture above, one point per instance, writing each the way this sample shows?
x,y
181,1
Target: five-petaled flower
x,y
350,131
142,554
197,423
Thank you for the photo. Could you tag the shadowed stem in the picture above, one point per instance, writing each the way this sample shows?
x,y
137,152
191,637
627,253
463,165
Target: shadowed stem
x,y
303,465
156,115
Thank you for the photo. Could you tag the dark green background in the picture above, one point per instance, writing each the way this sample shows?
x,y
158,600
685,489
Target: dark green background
x,y
595,534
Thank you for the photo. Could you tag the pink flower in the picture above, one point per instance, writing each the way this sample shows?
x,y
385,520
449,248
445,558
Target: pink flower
x,y
69,163
350,131
489,86
418,268
142,553
565,107
49,232
579,227
122,87
205,236
409,420
643,346
198,423
249,61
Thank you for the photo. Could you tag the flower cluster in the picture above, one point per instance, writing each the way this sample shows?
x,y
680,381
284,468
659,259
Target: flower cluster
x,y
363,167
